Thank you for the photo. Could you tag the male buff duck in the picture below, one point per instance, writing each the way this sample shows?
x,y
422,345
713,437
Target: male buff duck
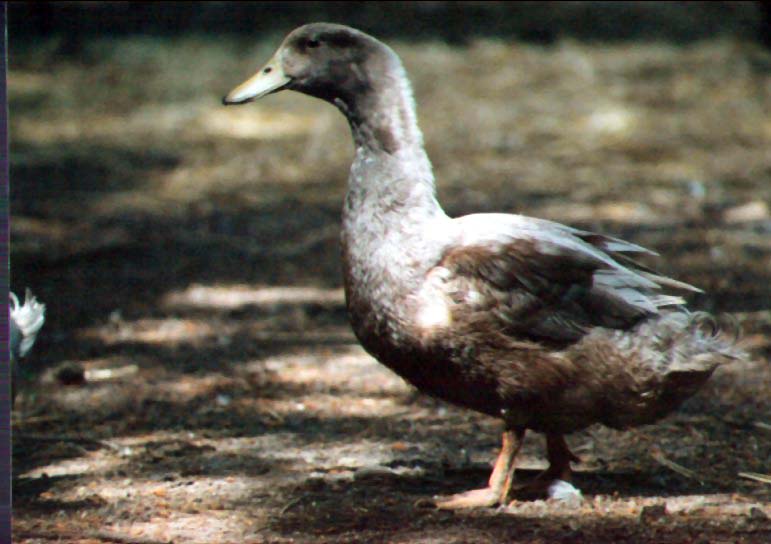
x,y
547,327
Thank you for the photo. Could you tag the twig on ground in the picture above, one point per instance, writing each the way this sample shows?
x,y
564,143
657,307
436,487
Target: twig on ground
x,y
108,374
763,425
19,420
756,476
660,458
290,504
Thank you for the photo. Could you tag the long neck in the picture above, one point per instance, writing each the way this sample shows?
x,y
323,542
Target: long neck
x,y
391,165
383,118
391,218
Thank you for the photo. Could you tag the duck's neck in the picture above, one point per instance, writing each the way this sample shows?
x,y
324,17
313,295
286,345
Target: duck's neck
x,y
383,118
393,226
390,163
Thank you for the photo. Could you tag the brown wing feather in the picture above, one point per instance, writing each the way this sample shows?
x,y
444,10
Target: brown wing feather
x,y
547,291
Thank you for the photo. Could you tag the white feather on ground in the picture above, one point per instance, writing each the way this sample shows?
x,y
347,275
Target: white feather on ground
x,y
25,323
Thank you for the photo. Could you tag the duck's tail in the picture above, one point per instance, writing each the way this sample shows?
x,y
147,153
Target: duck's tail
x,y
25,323
671,357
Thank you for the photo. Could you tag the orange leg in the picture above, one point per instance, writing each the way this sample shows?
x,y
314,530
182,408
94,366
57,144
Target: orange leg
x,y
499,484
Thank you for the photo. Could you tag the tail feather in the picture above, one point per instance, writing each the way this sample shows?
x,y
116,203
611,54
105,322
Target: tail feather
x,y
706,343
669,358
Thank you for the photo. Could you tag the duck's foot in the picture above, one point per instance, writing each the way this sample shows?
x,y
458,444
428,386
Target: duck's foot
x,y
476,498
554,482
500,480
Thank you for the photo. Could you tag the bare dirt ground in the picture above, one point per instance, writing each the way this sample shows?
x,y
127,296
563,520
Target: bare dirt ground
x,y
196,380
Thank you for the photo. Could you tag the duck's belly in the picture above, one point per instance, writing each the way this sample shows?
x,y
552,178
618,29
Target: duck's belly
x,y
612,377
444,369
522,383
437,375
491,389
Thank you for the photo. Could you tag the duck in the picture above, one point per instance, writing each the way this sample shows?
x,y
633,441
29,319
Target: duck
x,y
25,323
546,327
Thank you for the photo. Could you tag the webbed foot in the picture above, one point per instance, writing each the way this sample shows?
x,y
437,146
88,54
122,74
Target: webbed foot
x,y
500,480
476,498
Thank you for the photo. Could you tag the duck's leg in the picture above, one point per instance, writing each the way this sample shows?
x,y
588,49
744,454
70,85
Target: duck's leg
x,y
559,457
500,480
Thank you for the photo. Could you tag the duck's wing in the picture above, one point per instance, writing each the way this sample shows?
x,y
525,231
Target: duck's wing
x,y
546,281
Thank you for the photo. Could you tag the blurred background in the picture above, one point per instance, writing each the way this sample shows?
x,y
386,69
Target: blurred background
x,y
187,253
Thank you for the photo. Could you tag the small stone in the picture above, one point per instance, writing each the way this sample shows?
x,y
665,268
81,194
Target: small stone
x,y
373,472
425,503
70,373
653,513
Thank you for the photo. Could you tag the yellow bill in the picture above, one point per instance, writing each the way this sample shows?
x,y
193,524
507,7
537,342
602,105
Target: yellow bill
x,y
269,79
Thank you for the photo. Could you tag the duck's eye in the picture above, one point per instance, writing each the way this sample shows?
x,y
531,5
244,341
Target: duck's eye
x,y
312,44
267,70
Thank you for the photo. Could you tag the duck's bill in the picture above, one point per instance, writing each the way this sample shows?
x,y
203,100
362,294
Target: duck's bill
x,y
269,79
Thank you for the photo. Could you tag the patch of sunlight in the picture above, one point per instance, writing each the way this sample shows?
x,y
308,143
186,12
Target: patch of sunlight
x,y
255,123
339,366
349,455
173,330
756,210
192,120
101,125
214,502
155,331
80,465
628,213
338,406
351,452
187,388
121,488
212,525
610,121
237,296
21,83
48,130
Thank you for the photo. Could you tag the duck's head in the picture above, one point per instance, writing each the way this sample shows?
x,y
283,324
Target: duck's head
x,y
328,61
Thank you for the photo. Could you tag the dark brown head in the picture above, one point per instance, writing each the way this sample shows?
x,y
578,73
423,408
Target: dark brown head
x,y
324,60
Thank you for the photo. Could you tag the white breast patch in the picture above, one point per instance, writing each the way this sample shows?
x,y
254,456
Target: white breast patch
x,y
433,305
